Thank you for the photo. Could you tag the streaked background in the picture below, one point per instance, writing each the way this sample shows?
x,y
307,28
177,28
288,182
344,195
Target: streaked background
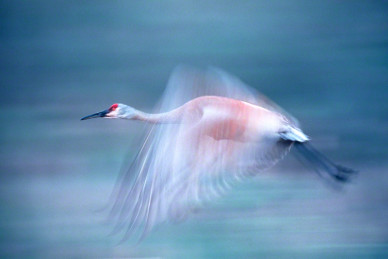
x,y
326,62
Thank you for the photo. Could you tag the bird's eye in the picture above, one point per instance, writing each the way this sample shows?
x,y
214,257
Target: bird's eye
x,y
113,107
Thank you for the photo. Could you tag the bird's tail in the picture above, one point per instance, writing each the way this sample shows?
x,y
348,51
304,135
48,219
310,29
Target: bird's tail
x,y
321,164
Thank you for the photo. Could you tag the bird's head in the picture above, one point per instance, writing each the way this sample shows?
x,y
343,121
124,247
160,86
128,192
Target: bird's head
x,y
117,110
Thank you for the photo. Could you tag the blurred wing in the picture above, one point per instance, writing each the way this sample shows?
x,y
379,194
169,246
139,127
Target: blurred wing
x,y
187,83
179,166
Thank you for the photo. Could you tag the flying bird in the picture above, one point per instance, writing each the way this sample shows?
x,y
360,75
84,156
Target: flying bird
x,y
210,131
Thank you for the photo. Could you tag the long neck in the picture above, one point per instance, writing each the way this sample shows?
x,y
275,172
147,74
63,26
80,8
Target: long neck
x,y
173,116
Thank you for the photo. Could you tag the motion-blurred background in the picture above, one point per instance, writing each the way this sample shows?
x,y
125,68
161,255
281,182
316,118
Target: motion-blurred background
x,y
326,62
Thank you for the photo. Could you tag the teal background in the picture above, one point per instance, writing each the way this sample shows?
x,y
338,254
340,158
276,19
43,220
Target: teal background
x,y
326,62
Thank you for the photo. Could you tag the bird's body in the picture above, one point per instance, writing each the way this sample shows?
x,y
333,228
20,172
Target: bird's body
x,y
223,118
244,122
212,131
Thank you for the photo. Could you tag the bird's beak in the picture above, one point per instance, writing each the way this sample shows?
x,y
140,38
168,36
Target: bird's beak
x,y
96,115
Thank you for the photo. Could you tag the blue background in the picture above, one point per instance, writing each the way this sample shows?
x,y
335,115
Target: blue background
x,y
326,62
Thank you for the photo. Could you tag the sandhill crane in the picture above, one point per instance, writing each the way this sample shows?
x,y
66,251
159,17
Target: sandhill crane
x,y
211,130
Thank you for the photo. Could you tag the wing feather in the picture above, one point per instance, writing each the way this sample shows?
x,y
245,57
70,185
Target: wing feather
x,y
179,167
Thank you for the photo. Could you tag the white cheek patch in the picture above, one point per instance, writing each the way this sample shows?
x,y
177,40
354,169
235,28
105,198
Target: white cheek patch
x,y
112,114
